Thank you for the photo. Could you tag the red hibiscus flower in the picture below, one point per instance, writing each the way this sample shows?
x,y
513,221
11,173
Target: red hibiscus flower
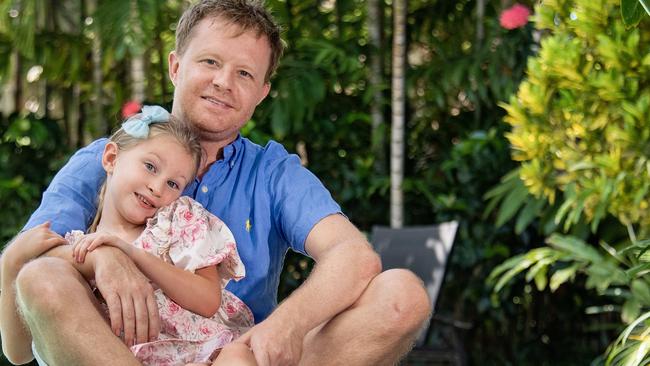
x,y
515,16
130,108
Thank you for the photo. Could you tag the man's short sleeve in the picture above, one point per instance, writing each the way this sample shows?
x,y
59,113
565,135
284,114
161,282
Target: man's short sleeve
x,y
70,201
299,198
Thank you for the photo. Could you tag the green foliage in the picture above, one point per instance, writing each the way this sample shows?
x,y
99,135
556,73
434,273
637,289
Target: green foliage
x,y
319,106
578,120
31,150
633,11
579,130
618,275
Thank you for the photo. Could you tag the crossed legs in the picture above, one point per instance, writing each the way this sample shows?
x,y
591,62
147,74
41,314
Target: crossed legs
x,y
378,329
63,315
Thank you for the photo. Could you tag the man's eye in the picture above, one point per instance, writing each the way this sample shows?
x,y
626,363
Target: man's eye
x,y
210,62
245,74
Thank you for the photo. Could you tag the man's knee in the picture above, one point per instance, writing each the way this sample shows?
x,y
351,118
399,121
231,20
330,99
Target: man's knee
x,y
42,285
407,304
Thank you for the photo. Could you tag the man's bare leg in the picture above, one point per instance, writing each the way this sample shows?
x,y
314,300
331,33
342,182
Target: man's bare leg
x,y
378,329
63,317
235,354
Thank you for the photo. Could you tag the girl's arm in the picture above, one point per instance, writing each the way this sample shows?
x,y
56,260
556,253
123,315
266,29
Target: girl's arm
x,y
198,292
16,339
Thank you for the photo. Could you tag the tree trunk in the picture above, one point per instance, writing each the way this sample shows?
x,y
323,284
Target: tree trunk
x,y
480,35
137,78
160,49
98,77
137,60
378,140
18,86
397,129
9,90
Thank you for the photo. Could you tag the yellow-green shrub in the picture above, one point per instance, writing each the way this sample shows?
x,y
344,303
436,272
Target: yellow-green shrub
x,y
581,119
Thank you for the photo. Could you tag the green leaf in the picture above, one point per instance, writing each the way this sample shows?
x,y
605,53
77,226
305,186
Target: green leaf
x,y
531,210
646,5
632,11
638,270
631,310
511,204
562,276
575,247
641,291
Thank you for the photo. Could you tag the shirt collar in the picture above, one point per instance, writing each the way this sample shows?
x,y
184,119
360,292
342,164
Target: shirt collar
x,y
231,151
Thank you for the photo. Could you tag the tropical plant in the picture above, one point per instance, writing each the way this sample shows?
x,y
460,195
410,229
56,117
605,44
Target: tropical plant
x,y
460,61
579,130
632,11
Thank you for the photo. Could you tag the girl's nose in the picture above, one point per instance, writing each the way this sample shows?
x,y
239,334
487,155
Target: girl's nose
x,y
156,187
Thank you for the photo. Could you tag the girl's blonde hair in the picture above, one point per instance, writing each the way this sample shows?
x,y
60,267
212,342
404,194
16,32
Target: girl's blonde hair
x,y
185,134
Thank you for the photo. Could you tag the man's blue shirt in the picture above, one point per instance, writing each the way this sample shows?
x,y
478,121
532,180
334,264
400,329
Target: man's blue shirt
x,y
267,199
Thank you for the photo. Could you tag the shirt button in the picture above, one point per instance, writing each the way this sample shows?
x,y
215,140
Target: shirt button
x,y
204,189
232,164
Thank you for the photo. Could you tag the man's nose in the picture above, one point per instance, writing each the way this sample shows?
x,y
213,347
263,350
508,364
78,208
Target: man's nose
x,y
222,78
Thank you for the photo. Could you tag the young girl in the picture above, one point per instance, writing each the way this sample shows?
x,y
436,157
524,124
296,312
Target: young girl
x,y
188,253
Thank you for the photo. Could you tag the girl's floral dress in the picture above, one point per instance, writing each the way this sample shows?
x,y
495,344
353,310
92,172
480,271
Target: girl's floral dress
x,y
188,236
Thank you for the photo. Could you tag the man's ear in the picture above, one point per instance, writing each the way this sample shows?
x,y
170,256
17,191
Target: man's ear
x,y
265,92
172,60
109,157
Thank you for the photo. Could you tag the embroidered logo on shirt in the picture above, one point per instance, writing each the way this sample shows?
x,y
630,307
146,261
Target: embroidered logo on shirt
x,y
248,225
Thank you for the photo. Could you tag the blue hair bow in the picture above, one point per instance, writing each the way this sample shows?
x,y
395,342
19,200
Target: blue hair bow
x,y
138,125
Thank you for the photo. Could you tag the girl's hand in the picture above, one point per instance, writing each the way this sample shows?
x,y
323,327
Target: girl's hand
x,y
94,240
31,244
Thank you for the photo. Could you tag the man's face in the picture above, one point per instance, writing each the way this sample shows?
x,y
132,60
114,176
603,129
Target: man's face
x,y
219,79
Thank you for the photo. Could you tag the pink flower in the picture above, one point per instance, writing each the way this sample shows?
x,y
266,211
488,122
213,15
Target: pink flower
x,y
130,108
146,245
515,16
230,309
173,307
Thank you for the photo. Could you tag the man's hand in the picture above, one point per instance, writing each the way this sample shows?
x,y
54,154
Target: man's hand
x,y
275,342
128,294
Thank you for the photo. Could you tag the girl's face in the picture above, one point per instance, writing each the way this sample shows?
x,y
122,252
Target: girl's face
x,y
145,177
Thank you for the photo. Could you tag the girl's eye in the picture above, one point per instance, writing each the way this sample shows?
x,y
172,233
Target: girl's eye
x,y
172,184
150,167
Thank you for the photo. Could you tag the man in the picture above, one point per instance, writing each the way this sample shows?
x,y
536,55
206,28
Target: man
x,y
347,312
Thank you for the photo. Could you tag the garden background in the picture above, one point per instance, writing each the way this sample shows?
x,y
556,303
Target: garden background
x,y
532,132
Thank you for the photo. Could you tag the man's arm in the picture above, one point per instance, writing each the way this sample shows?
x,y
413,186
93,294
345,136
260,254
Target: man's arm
x,y
70,201
127,292
345,264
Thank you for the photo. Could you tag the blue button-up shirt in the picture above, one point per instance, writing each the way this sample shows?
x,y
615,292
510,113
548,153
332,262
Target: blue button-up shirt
x,y
267,199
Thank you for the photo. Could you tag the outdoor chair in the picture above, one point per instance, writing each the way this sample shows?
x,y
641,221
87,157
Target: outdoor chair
x,y
423,250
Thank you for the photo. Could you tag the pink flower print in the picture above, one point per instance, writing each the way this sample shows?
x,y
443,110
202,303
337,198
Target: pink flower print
x,y
146,244
231,309
173,308
515,16
191,233
187,215
205,330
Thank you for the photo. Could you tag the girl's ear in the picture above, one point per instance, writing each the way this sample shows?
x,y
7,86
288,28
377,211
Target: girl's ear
x,y
109,157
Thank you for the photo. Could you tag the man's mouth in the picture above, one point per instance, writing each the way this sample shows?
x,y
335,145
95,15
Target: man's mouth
x,y
144,200
217,102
